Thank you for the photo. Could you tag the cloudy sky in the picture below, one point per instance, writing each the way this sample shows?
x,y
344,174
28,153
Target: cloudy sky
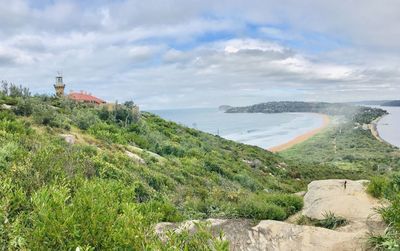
x,y
187,53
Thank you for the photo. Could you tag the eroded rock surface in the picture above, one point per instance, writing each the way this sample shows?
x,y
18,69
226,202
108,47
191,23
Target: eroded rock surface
x,y
135,157
352,203
69,138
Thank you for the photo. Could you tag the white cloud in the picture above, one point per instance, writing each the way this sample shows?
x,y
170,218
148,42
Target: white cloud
x,y
203,53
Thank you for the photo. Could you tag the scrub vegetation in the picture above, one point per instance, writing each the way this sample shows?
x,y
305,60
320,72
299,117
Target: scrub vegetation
x,y
124,171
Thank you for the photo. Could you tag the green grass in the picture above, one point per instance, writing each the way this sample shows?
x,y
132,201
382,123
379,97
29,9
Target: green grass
x,y
91,194
55,195
330,221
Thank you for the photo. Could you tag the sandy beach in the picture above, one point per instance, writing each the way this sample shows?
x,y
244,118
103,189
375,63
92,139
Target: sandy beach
x,y
374,129
303,137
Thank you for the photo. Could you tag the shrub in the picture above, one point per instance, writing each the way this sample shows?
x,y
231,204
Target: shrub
x,y
291,203
24,107
83,119
46,115
247,182
260,210
331,221
377,186
202,239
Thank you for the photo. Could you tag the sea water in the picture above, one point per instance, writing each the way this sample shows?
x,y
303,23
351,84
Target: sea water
x,y
258,129
389,126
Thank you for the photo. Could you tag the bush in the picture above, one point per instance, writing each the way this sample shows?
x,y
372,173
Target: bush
x,y
377,186
260,210
83,119
24,107
46,115
269,206
291,203
331,221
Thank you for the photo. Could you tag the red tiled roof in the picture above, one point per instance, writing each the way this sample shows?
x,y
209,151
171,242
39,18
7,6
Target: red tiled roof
x,y
84,97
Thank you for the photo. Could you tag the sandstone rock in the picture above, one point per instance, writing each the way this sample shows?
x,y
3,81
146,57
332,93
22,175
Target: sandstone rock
x,y
6,107
352,203
69,138
272,235
135,157
301,193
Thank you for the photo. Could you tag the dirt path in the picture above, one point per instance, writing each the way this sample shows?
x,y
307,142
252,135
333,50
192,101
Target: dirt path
x,y
303,137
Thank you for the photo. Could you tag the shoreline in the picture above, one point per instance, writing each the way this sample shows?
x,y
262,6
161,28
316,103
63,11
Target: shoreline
x,y
374,129
302,137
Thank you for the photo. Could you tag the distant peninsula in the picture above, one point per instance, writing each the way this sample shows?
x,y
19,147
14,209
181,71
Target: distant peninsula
x,y
391,103
333,109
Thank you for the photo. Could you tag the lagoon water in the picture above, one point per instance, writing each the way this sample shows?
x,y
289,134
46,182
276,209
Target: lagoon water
x,y
259,129
389,126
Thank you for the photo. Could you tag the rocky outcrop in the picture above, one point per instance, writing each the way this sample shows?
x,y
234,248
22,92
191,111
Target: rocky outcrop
x,y
272,235
6,107
135,157
352,203
69,138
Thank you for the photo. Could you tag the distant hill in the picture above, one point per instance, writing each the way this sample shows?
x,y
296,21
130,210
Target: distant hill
x,y
347,110
391,103
224,107
369,102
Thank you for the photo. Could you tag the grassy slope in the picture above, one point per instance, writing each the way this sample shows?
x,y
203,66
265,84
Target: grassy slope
x,y
91,194
358,150
349,147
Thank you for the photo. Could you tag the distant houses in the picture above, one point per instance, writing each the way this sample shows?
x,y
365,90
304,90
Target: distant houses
x,y
81,96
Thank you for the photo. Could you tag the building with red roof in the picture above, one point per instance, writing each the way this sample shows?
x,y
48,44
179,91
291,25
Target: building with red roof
x,y
85,98
76,96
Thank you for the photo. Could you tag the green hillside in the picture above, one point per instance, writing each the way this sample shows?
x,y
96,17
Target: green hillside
x,y
123,171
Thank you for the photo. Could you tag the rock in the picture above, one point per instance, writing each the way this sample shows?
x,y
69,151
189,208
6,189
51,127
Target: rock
x,y
6,107
69,138
256,163
271,235
135,157
352,203
134,149
301,193
276,235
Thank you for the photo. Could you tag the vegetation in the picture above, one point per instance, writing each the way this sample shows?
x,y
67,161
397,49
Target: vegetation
x,y
348,146
389,188
351,112
125,172
330,221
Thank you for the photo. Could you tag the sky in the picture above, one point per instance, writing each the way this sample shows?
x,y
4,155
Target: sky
x,y
188,53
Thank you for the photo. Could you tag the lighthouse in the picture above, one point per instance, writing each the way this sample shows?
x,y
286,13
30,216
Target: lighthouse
x,y
59,86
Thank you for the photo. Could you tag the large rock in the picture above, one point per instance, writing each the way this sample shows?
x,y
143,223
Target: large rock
x,y
352,202
272,235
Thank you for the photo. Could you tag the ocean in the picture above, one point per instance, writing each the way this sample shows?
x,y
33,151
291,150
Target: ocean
x,y
258,129
389,126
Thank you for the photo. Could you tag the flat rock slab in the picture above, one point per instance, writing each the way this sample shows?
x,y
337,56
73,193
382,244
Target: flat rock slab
x,y
353,203
272,235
